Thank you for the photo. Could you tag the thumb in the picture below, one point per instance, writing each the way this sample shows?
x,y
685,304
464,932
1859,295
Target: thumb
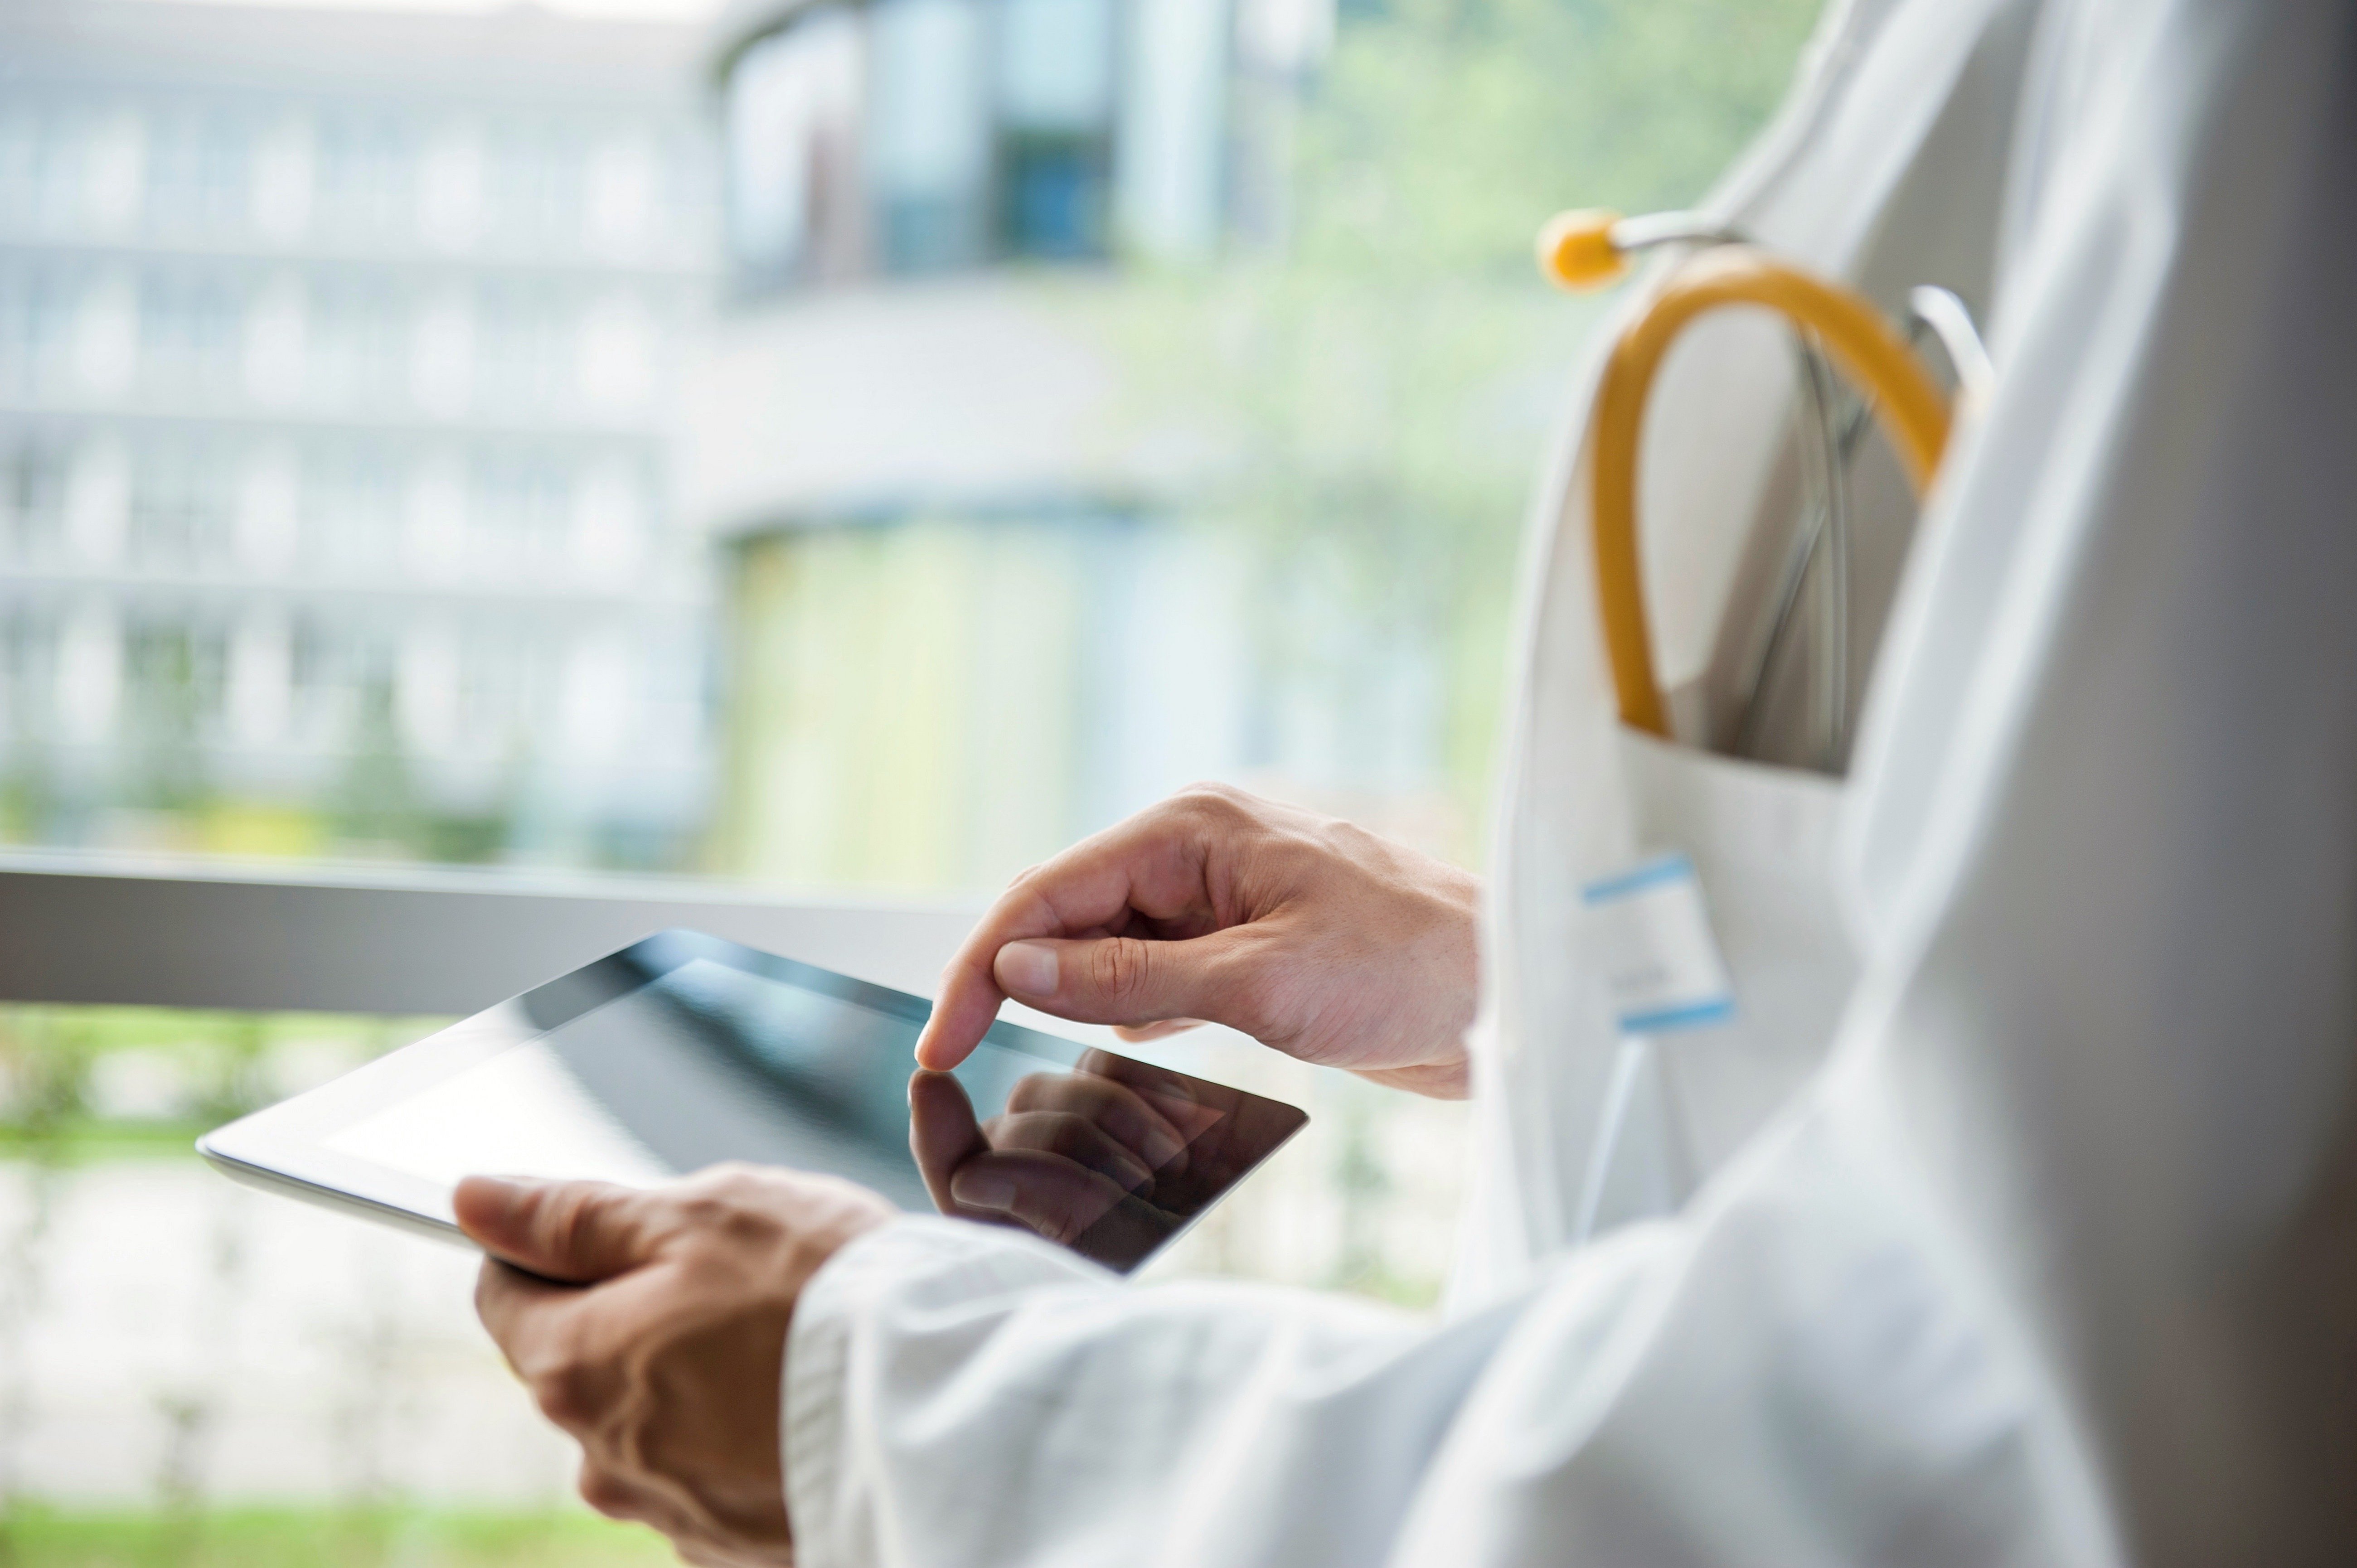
x,y
1120,980
576,1232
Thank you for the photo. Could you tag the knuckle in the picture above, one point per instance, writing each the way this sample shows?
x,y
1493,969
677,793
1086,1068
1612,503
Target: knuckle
x,y
564,1217
567,1392
734,1181
1033,1092
1212,802
1120,969
605,1491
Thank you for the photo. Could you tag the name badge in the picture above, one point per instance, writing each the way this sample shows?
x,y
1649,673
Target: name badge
x,y
1649,936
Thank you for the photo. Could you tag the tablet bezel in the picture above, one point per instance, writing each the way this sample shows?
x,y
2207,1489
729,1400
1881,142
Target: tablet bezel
x,y
283,1149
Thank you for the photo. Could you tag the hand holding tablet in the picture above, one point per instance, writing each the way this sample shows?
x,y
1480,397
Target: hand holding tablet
x,y
683,1051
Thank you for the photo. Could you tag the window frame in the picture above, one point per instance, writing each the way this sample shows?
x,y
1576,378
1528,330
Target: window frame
x,y
121,930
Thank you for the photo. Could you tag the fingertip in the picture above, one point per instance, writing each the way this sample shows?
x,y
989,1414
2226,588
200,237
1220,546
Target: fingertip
x,y
939,1044
935,1053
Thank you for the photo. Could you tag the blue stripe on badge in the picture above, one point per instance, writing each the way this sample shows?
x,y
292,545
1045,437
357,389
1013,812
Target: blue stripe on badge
x,y
1692,1015
1668,868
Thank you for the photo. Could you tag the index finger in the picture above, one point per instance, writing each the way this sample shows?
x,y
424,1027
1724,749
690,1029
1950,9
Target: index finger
x,y
1145,863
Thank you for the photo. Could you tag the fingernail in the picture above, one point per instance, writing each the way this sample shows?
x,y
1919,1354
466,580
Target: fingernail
x,y
983,1189
1027,968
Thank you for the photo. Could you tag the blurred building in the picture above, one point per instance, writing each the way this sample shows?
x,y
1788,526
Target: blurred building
x,y
966,626
338,377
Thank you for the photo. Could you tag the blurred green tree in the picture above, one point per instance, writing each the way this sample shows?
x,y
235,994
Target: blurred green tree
x,y
1386,376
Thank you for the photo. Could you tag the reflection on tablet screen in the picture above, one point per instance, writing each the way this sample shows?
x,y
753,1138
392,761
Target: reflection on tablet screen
x,y
707,1061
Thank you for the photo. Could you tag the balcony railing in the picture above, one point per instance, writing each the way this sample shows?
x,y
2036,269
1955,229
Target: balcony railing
x,y
203,934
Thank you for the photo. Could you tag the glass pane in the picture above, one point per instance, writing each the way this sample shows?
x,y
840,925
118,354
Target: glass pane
x,y
512,540
794,108
1056,64
199,173
928,149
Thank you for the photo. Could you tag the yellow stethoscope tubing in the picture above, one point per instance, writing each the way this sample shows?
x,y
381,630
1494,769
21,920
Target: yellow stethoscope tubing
x,y
1908,404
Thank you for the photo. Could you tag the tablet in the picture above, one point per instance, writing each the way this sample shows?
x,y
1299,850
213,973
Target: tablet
x,y
684,1050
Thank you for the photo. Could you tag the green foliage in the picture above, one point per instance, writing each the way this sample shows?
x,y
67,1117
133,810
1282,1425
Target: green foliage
x,y
1388,376
34,1537
47,1060
218,1063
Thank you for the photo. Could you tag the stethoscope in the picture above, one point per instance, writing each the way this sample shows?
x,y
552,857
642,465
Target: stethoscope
x,y
1837,326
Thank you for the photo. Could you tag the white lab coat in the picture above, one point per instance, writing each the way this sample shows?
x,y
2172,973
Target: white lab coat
x,y
2055,1260
1885,168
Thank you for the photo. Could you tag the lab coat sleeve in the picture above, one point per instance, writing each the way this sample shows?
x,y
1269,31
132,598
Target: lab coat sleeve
x,y
1789,1372
959,1394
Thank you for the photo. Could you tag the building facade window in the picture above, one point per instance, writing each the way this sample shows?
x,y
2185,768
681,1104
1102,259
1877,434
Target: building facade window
x,y
521,511
796,207
928,147
199,173
527,352
1055,83
182,511
349,370
356,347
36,320
33,481
351,513
191,335
28,672
920,135
43,157
536,185
175,680
366,187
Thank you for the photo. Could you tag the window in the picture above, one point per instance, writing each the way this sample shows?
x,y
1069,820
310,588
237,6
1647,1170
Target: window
x,y
527,348
182,509
985,130
1054,80
28,679
191,335
536,183
175,686
494,692
366,180
33,481
356,348
796,209
351,506
520,513
200,178
43,183
36,320
340,675
928,147
898,616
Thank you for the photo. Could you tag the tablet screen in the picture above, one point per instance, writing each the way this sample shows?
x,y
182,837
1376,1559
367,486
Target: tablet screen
x,y
685,1050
